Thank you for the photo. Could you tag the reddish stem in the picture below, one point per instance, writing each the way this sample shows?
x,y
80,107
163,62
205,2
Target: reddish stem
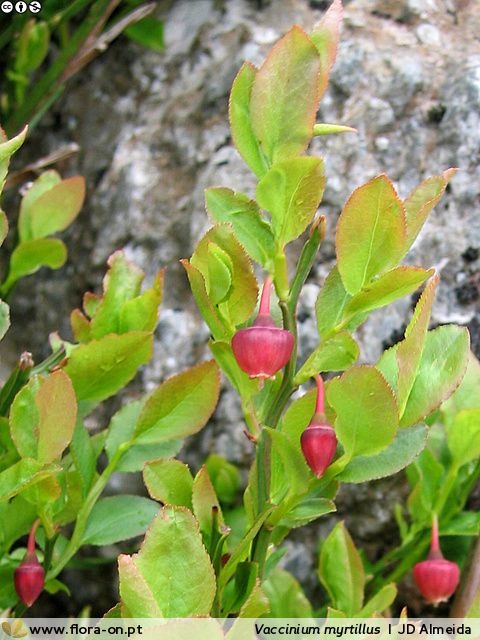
x,y
320,405
31,538
435,544
264,309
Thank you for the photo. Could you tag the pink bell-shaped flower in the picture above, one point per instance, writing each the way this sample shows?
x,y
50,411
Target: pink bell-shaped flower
x,y
319,441
436,578
263,349
29,576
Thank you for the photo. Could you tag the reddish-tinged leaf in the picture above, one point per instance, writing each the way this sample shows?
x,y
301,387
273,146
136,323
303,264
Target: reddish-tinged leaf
x,y
241,121
135,593
284,98
371,233
422,200
80,326
325,37
204,499
181,405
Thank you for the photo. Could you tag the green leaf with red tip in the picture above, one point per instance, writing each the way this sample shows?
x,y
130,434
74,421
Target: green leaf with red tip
x,y
387,288
371,233
169,482
80,326
335,354
367,415
325,36
331,303
421,201
341,571
102,367
284,97
7,149
28,257
226,206
407,445
172,569
181,405
464,436
242,295
51,207
241,120
291,191
42,417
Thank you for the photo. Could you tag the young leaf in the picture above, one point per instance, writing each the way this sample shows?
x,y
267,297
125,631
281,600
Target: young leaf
x,y
174,565
407,445
325,36
204,500
291,191
335,354
308,510
466,395
390,286
289,469
325,129
440,371
464,436
341,571
371,233
225,478
148,32
44,183
29,256
331,302
7,149
22,474
118,518
379,602
141,313
226,206
241,121
137,596
181,405
102,367
4,318
285,596
284,96
48,211
220,271
169,482
367,416
421,201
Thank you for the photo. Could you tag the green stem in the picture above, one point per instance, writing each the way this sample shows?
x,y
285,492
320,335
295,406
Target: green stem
x,y
305,263
446,488
84,513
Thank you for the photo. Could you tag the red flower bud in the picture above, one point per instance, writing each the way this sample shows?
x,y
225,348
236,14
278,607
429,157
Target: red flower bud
x,y
29,577
263,349
319,441
436,578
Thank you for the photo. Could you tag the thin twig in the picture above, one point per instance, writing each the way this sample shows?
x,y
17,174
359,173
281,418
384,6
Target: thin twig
x,y
470,585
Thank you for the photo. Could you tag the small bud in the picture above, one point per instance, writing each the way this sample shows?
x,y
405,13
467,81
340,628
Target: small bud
x,y
25,362
29,576
436,578
263,349
319,441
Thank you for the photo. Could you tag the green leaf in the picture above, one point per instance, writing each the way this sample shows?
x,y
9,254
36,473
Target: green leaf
x,y
463,436
325,36
44,183
22,474
42,418
239,589
331,303
42,493
169,482
242,297
341,571
148,32
291,191
53,209
225,478
118,518
371,233
3,226
29,256
220,271
289,471
367,416
204,500
466,523
284,96
441,369
335,354
422,200
379,602
226,206
4,318
141,313
390,286
84,456
255,606
325,129
401,452
31,46
308,510
241,121
17,517
298,415
429,476
285,596
172,566
467,394
181,405
102,367
7,149
121,284
222,351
